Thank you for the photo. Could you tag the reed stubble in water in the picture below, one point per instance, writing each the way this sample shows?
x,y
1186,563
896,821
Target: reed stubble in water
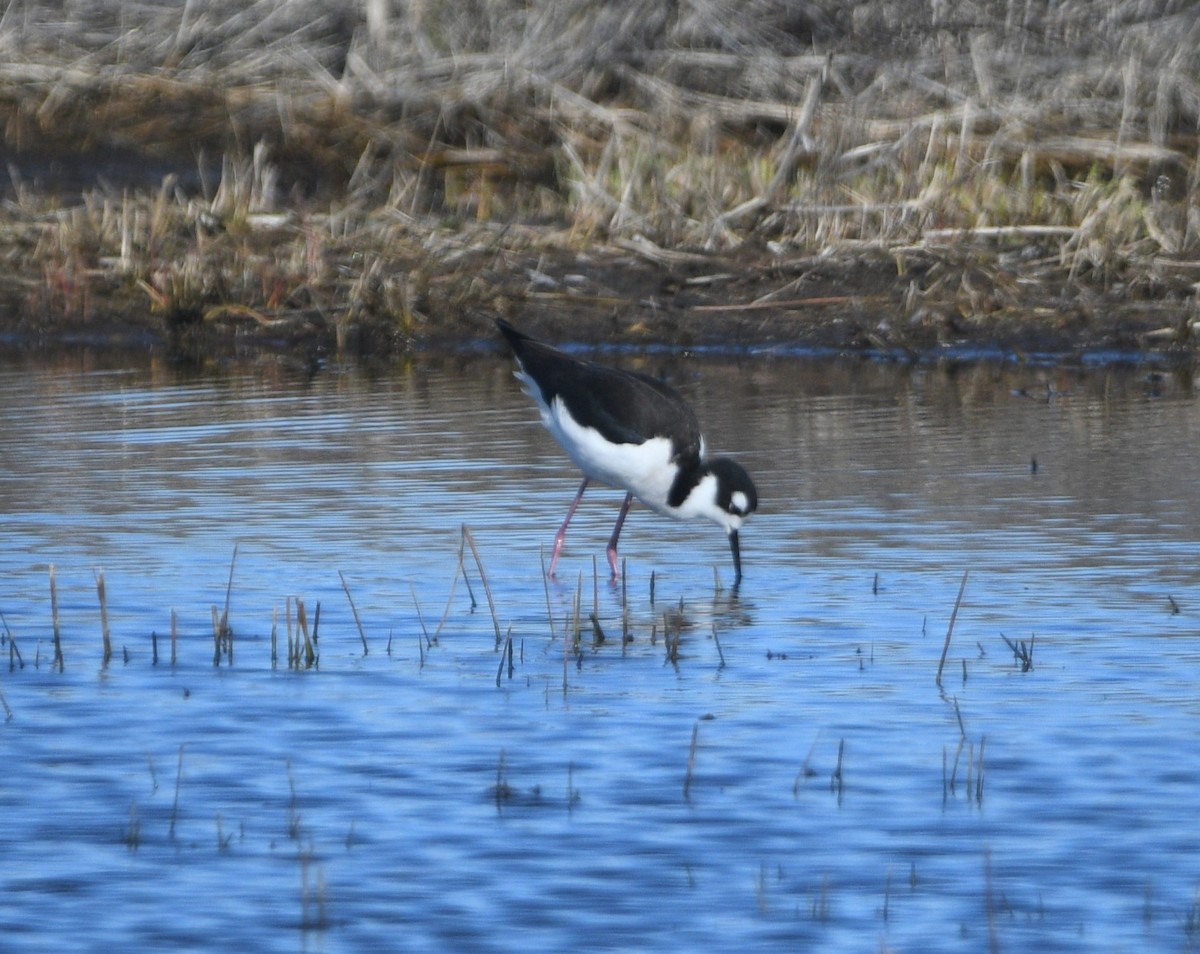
x,y
487,589
58,653
354,610
950,629
1022,651
104,632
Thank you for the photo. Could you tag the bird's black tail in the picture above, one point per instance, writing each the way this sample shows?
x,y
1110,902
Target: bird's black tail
x,y
516,339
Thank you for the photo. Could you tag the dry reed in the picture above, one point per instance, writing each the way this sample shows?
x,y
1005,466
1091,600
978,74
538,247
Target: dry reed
x,y
104,632
353,609
58,653
950,629
307,162
487,589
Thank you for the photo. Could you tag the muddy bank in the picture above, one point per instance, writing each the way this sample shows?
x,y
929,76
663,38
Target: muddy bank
x,y
915,306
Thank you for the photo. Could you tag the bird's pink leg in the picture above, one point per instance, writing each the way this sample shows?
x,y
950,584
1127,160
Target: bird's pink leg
x,y
612,542
561,537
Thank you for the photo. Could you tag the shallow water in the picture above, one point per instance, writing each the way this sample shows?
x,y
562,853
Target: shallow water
x,y
797,779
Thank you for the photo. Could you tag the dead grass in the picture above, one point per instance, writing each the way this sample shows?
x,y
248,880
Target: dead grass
x,y
388,175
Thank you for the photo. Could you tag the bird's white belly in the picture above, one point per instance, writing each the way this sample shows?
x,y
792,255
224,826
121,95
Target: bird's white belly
x,y
645,470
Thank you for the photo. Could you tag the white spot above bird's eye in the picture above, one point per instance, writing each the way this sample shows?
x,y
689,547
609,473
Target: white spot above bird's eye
x,y
738,502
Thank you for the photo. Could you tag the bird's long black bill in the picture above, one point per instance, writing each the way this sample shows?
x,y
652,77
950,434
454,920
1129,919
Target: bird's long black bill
x,y
737,557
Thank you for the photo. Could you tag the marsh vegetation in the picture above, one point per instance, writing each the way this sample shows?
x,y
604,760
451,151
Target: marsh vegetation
x,y
892,176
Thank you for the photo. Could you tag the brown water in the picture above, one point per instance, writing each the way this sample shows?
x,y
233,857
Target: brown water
x,y
607,798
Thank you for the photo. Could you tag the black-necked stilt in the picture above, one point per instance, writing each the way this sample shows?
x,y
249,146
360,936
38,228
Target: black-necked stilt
x,y
631,431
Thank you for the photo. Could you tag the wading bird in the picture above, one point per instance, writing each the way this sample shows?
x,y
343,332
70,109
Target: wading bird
x,y
631,431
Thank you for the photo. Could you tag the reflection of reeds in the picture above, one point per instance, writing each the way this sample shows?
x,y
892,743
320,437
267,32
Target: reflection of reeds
x,y
717,641
837,781
691,761
175,802
974,770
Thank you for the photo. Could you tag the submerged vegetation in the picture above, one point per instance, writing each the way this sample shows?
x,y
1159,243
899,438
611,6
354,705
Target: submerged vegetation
x,y
379,176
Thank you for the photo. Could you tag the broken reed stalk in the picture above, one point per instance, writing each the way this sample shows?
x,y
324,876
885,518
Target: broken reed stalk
x,y
104,618
458,569
487,589
717,640
274,636
950,630
174,636
228,596
953,781
462,568
506,654
58,654
1022,653
546,590
14,654
691,761
421,620
354,610
310,653
837,780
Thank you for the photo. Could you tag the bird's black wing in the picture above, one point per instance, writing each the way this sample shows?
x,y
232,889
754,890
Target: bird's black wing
x,y
625,407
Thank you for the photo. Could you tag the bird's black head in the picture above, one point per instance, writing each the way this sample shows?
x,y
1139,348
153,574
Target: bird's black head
x,y
736,494
736,499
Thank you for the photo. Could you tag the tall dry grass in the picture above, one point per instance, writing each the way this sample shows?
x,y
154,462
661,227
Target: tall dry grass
x,y
372,171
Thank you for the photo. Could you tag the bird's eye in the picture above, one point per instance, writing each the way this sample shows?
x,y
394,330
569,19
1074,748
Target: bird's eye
x,y
738,503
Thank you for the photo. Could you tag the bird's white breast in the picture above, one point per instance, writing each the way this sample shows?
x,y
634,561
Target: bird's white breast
x,y
645,470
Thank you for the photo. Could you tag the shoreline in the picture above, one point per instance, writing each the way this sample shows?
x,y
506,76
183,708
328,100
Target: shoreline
x,y
880,178
608,299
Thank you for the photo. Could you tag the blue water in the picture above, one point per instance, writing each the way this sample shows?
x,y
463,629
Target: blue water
x,y
606,795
